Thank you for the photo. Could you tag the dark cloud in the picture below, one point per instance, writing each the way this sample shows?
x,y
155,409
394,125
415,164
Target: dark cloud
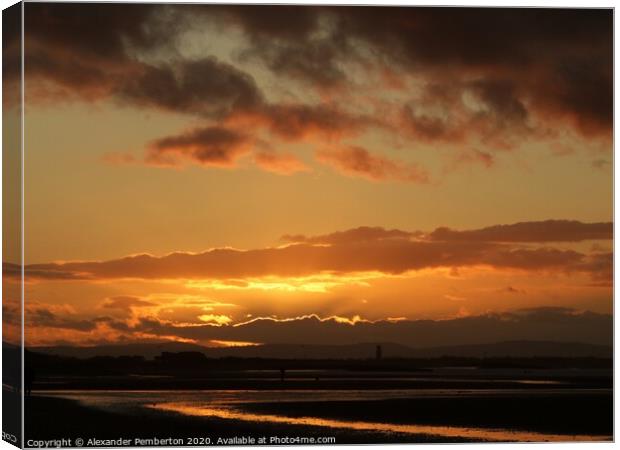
x,y
105,30
560,60
544,324
359,162
549,61
500,101
359,250
544,231
285,22
526,70
11,55
211,146
315,63
294,121
48,316
14,272
103,63
84,49
601,266
125,302
205,87
353,236
293,41
423,127
487,110
535,259
222,146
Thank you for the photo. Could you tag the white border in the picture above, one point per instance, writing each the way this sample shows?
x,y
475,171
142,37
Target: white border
x,y
484,3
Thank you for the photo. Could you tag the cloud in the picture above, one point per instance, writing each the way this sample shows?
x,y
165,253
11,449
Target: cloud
x,y
14,272
110,67
298,121
104,63
205,87
358,162
491,80
601,266
363,249
56,316
500,100
126,302
290,40
542,324
543,231
211,146
88,67
280,163
217,319
524,61
355,235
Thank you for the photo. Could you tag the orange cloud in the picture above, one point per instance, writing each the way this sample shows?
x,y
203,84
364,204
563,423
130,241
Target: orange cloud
x,y
520,79
356,235
544,231
211,146
283,164
358,162
217,319
126,302
357,251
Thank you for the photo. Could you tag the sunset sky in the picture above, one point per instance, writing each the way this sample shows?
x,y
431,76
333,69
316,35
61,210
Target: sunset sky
x,y
233,174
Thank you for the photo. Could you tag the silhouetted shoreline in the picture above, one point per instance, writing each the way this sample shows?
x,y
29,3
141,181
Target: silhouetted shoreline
x,y
570,415
551,397
567,414
81,421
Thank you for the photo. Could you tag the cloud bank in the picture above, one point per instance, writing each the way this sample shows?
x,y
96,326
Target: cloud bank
x,y
489,80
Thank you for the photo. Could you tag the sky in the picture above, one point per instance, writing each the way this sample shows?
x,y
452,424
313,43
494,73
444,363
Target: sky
x,y
228,175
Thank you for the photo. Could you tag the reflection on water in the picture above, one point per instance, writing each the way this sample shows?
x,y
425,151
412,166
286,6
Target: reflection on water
x,y
448,432
226,404
216,397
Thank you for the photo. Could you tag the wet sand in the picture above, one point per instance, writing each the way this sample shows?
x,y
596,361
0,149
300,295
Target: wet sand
x,y
586,413
56,418
533,416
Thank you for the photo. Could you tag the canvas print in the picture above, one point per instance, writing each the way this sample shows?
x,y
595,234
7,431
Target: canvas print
x,y
280,225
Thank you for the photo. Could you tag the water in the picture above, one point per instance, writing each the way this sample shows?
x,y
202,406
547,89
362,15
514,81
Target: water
x,y
228,404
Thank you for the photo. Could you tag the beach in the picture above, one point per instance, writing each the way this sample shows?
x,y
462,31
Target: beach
x,y
348,417
77,421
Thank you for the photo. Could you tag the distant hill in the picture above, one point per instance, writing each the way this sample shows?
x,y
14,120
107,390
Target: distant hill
x,y
149,351
521,349
356,351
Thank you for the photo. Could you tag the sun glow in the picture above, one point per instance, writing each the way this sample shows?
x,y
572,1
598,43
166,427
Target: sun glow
x,y
215,319
321,283
219,343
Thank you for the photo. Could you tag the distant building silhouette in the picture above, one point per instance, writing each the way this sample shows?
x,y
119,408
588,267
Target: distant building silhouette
x,y
379,352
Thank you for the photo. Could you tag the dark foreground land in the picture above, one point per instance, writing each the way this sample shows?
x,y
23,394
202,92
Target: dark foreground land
x,y
532,398
55,418
585,414
570,415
